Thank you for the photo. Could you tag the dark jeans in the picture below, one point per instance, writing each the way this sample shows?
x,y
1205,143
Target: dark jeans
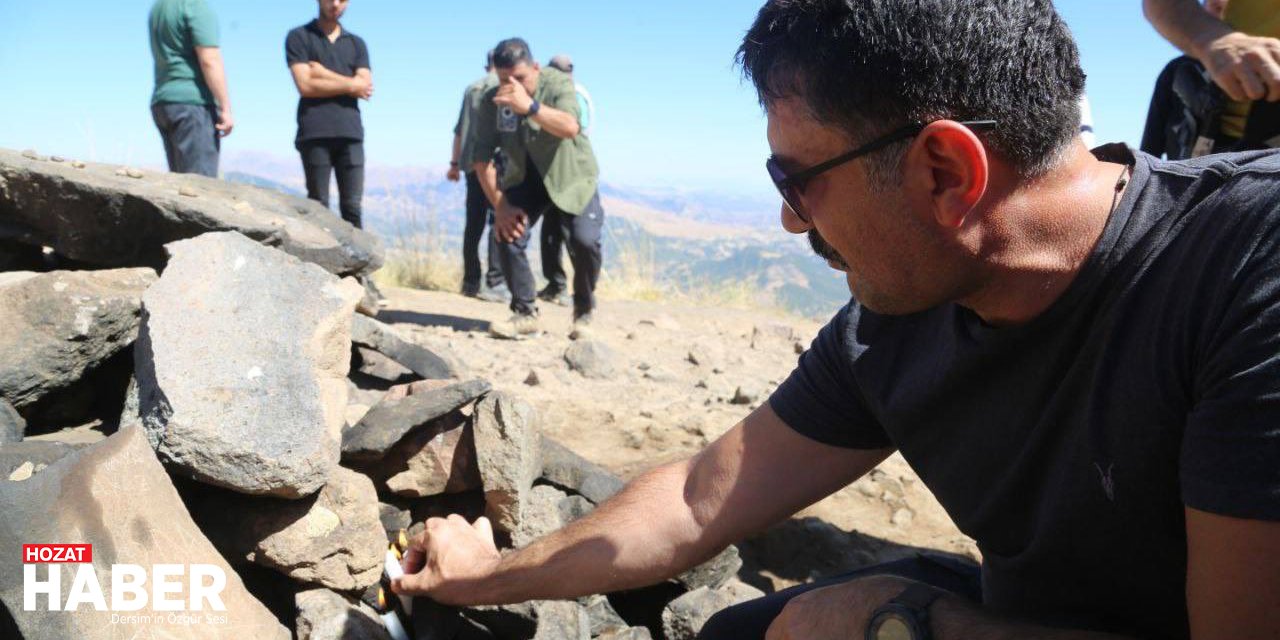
x,y
582,231
551,241
191,142
345,159
751,619
479,213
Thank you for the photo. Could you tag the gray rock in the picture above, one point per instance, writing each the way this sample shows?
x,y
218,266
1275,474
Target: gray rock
x,y
602,616
509,455
12,426
374,364
562,620
95,216
267,335
325,615
591,358
36,454
394,518
440,458
713,572
392,419
367,332
684,617
628,633
546,509
369,303
116,496
56,326
570,471
334,539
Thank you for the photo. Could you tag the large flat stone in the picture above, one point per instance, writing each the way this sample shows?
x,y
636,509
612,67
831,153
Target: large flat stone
x,y
56,326
393,418
438,459
94,215
508,454
325,615
241,366
332,539
116,496
366,331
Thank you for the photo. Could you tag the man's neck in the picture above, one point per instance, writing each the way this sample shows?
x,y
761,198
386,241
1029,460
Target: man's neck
x,y
330,28
1040,236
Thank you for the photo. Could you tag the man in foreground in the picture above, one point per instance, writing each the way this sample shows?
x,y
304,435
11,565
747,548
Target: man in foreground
x,y
190,104
550,173
330,68
477,209
1077,353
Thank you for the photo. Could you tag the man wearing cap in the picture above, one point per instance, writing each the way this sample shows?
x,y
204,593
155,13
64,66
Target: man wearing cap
x,y
550,173
478,210
190,104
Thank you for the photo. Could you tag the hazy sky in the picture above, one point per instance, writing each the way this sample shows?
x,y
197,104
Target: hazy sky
x,y
671,109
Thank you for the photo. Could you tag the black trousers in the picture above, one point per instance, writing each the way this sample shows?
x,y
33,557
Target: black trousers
x,y
582,233
551,242
750,620
479,214
345,159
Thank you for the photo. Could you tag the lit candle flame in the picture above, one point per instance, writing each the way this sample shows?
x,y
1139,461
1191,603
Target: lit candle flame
x,y
402,540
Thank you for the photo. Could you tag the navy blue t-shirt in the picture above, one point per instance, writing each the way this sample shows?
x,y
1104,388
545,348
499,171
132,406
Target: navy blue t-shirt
x,y
337,116
1069,445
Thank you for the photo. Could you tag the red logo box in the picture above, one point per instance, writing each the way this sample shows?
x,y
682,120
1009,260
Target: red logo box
x,y
54,553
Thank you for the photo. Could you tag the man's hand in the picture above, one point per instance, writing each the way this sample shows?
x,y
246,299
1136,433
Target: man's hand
x,y
838,612
1246,67
226,122
455,173
446,558
513,94
509,221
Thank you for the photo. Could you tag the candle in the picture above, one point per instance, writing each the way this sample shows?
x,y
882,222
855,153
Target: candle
x,y
391,570
389,618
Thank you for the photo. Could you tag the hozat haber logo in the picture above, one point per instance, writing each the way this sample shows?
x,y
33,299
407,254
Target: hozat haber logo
x,y
185,594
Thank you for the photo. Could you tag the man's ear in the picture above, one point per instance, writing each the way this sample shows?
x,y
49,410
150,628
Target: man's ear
x,y
956,170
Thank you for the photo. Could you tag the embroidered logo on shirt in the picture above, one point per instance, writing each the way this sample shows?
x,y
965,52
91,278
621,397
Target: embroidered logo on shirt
x,y
507,119
1108,484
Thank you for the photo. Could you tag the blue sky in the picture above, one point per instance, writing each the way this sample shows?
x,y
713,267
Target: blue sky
x,y
671,109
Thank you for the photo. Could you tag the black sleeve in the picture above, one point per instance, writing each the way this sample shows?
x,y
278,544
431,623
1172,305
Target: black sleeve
x,y
362,55
821,399
295,49
1231,446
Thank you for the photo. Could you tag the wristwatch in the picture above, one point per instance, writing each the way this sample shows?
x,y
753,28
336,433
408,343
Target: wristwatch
x,y
906,616
533,108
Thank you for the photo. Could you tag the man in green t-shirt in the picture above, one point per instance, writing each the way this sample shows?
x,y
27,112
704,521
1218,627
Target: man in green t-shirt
x,y
190,104
550,172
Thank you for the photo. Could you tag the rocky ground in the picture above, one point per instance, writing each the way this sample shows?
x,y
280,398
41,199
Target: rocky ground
x,y
658,405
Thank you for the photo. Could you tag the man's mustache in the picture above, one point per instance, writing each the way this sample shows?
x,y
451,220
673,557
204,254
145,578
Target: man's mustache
x,y
825,250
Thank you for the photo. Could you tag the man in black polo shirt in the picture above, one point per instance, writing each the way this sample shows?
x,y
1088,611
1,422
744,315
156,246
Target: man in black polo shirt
x,y
330,67
1078,352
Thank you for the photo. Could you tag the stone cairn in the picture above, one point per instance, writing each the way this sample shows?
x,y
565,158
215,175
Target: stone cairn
x,y
194,374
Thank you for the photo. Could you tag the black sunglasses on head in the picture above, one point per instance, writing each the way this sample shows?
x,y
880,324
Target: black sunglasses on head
x,y
790,186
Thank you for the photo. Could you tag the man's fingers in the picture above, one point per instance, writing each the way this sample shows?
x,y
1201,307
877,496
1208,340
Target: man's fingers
x,y
1230,85
484,528
1267,70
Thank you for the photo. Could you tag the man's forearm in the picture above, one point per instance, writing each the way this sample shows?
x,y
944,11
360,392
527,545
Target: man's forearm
x,y
560,124
487,174
457,151
639,537
1185,24
323,83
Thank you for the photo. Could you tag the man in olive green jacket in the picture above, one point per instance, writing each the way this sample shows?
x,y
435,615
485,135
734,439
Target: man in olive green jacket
x,y
550,173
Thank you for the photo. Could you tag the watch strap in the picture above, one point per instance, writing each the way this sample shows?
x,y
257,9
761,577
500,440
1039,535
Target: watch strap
x,y
534,107
919,596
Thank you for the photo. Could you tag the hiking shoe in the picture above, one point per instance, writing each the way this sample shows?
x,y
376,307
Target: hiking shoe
x,y
554,296
515,328
581,326
496,294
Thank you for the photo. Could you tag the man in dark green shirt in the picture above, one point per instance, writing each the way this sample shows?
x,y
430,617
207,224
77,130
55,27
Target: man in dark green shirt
x,y
477,209
190,104
550,172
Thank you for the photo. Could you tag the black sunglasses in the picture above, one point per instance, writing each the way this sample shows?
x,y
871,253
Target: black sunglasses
x,y
791,186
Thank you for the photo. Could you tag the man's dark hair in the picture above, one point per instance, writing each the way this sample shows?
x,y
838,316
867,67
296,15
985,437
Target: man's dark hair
x,y
869,66
511,52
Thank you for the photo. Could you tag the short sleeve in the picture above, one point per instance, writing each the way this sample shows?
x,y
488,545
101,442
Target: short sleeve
x,y
485,126
462,114
821,399
203,24
1230,461
295,48
563,98
362,55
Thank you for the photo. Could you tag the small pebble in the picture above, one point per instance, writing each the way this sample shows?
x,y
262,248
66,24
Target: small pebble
x,y
57,158
76,164
188,191
23,472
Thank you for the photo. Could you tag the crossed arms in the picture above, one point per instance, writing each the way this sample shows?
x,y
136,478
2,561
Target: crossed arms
x,y
314,80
